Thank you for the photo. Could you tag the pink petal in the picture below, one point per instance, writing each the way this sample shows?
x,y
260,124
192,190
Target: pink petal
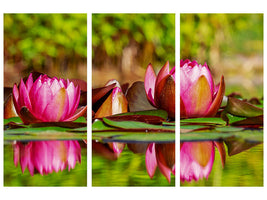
x,y
190,168
151,161
165,170
190,73
164,71
172,72
117,147
16,98
29,82
217,100
74,98
35,87
41,99
24,99
221,149
56,107
73,153
55,86
79,112
150,81
198,98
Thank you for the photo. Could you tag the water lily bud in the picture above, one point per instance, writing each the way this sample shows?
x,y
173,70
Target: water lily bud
x,y
199,97
116,102
47,100
160,89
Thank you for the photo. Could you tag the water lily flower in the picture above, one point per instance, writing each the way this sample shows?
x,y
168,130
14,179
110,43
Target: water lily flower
x,y
163,156
199,97
47,156
160,89
116,102
196,159
47,100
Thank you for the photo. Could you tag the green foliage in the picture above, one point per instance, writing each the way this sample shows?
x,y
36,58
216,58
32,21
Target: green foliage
x,y
32,38
202,35
111,33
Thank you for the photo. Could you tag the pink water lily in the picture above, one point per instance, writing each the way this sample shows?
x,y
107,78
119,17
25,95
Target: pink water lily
x,y
47,100
47,156
160,89
197,158
163,156
199,97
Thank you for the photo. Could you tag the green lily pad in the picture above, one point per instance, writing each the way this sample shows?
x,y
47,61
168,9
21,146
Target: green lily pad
x,y
142,137
44,135
205,120
159,113
44,131
101,126
137,125
13,119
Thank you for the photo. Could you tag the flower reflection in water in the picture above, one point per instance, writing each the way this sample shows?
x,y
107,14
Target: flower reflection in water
x,y
47,156
156,155
163,156
196,159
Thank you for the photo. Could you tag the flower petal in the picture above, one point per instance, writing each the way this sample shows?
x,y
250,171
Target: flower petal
x,y
164,71
29,82
221,149
172,72
191,154
217,101
119,102
15,94
150,81
115,103
24,99
79,112
151,161
27,116
162,161
41,99
55,109
198,99
182,109
165,95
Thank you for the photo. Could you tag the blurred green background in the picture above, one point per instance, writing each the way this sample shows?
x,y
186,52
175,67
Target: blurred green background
x,y
14,177
231,44
124,44
55,44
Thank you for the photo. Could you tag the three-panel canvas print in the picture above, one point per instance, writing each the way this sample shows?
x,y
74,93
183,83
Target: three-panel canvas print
x,y
109,116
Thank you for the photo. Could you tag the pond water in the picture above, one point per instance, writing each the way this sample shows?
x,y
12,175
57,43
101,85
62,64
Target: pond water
x,y
129,166
45,163
243,169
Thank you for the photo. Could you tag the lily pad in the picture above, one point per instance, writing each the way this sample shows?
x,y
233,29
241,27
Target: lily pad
x,y
142,137
138,125
205,120
16,130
